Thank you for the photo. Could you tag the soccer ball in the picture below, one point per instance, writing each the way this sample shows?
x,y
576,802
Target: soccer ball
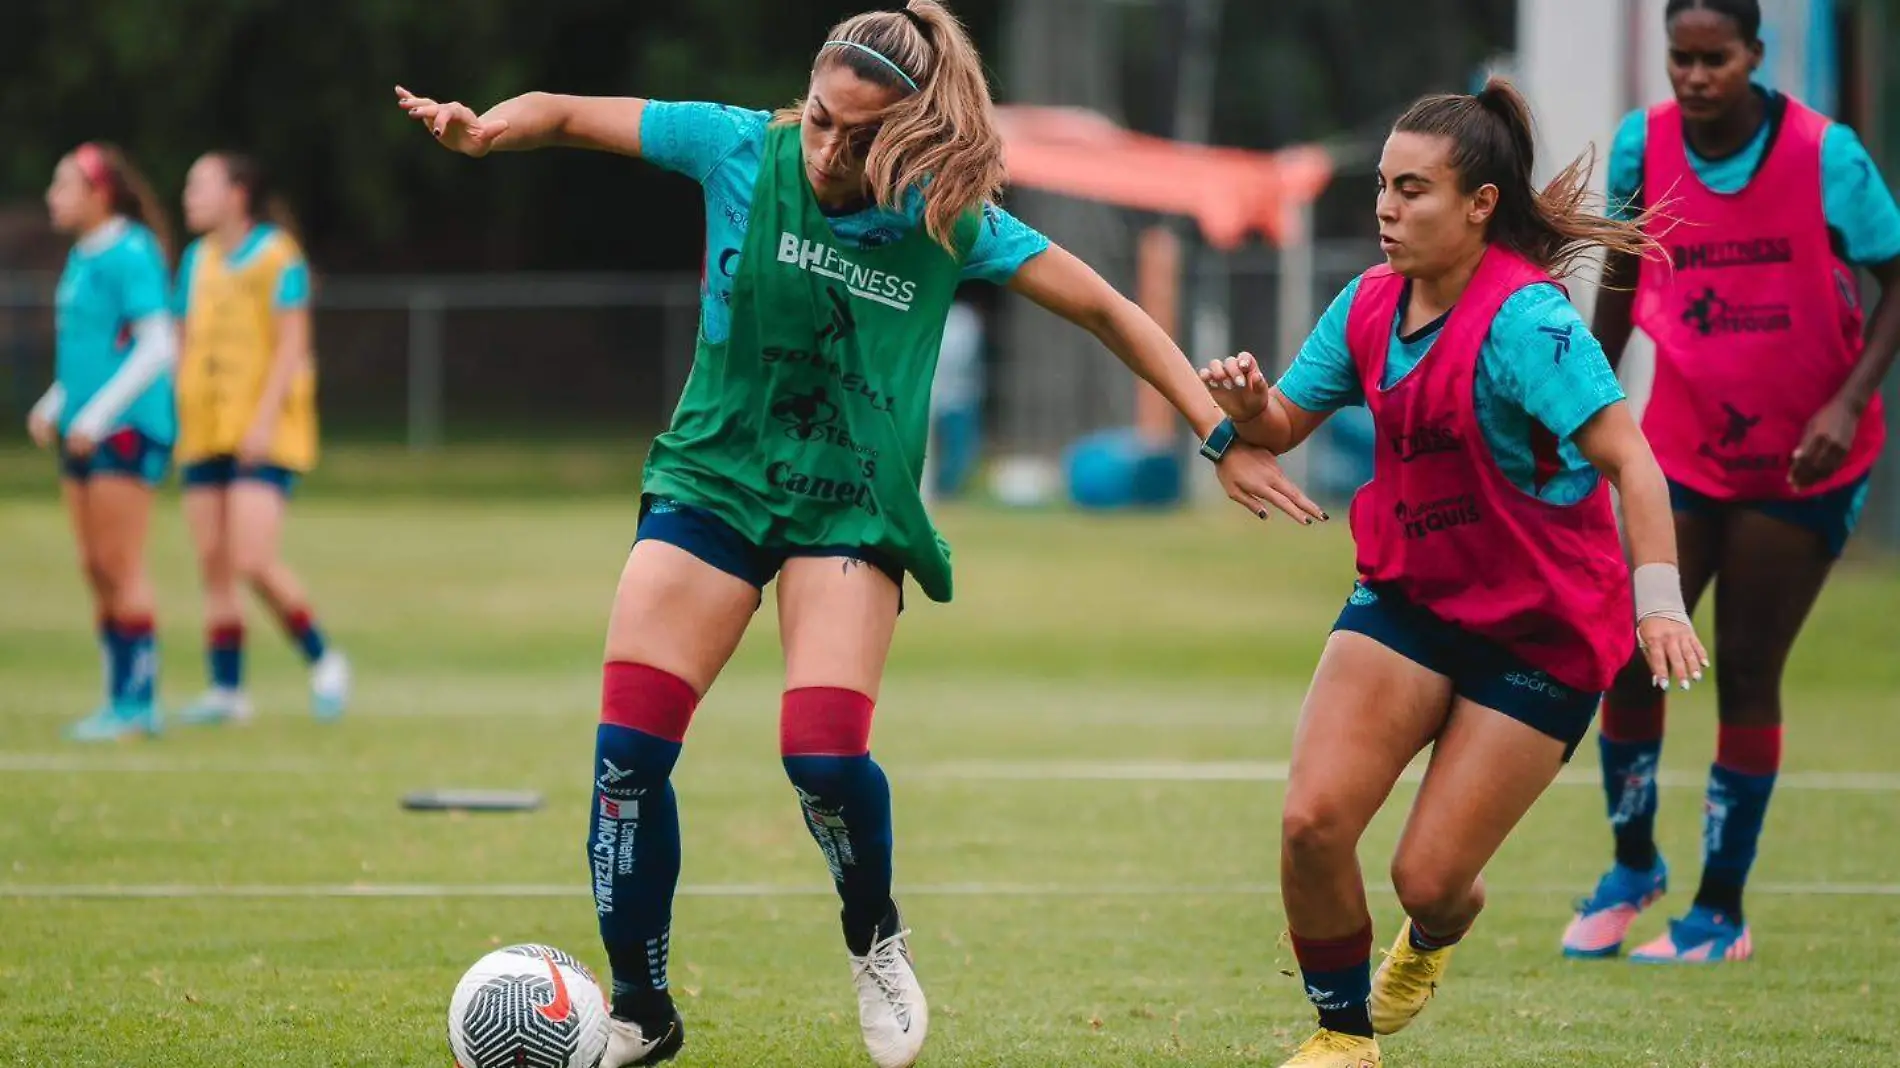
x,y
528,1006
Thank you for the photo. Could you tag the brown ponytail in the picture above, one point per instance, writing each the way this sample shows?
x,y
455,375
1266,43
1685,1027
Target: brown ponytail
x,y
1494,143
940,137
106,166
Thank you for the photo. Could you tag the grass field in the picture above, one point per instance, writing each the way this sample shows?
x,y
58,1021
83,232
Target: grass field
x,y
1086,754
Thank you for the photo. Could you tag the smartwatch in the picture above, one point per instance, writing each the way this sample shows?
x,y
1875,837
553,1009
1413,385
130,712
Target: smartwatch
x,y
1218,441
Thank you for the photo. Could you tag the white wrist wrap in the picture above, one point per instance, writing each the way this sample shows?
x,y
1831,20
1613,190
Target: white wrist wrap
x,y
1659,593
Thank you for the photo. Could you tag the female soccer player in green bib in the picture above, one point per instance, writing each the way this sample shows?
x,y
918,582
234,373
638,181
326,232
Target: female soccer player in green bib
x,y
838,231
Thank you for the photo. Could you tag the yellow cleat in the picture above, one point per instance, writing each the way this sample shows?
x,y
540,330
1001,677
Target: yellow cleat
x,y
1332,1049
1405,981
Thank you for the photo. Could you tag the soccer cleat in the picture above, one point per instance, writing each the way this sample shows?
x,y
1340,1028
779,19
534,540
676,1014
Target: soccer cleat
x,y
215,707
330,685
1603,919
628,1044
1704,936
892,1012
1335,1049
1405,981
113,722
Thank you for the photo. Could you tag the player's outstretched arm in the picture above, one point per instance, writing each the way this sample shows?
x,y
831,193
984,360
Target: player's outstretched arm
x,y
1062,284
532,120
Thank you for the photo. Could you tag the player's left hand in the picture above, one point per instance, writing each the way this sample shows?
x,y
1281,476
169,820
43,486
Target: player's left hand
x,y
1253,479
255,447
1673,651
79,444
1824,445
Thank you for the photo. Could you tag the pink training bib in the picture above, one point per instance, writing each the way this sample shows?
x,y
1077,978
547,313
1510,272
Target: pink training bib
x,y
1442,522
1757,322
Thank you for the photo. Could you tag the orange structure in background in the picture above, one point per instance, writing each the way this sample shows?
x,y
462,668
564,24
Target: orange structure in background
x,y
1231,194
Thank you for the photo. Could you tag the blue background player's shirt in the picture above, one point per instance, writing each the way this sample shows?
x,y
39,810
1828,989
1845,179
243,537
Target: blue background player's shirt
x,y
721,147
1539,367
111,281
293,285
1860,208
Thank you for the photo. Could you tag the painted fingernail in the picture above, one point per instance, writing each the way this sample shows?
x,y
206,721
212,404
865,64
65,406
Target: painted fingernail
x,y
1325,517
1262,513
1309,520
1697,676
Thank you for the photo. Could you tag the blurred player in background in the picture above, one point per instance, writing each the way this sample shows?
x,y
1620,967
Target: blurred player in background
x,y
1765,416
1493,605
247,422
838,232
110,411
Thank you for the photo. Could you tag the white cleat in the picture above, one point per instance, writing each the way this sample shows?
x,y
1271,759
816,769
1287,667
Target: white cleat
x,y
217,706
330,685
628,1045
891,1007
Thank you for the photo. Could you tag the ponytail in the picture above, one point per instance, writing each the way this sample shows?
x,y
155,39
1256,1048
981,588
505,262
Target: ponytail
x,y
1494,143
107,167
940,136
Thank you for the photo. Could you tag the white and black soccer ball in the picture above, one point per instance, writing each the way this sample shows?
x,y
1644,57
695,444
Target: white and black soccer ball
x,y
528,1006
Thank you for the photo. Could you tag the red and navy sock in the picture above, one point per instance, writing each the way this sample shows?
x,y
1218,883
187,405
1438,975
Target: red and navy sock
x,y
132,660
825,739
1426,941
633,841
1741,781
1338,977
303,632
1630,743
224,655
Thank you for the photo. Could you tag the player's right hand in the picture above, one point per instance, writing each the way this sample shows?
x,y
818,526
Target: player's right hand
x,y
42,430
1238,386
454,124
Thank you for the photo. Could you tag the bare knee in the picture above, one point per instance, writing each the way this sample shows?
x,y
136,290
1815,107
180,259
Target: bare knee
x,y
99,575
1315,827
1428,890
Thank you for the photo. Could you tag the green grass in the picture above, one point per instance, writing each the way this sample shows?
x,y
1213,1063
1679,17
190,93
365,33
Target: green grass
x,y
1098,921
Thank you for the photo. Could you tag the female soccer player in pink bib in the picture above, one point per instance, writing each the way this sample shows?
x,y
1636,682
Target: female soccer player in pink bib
x,y
1493,605
1765,417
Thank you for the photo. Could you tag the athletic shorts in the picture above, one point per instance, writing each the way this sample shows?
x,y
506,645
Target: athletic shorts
x,y
1480,670
126,454
714,541
220,471
1833,515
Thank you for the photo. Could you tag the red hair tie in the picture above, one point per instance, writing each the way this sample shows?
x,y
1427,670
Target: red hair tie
x,y
92,163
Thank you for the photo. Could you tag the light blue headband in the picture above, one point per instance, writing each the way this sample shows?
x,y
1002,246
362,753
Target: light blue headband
x,y
881,58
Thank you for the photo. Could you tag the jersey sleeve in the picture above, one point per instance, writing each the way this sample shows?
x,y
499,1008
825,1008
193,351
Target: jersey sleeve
x,y
293,285
1859,205
1545,361
1623,181
692,138
1003,244
181,285
1322,377
144,287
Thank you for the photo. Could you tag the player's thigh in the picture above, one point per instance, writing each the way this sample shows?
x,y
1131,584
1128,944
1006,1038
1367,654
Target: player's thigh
x,y
1369,711
1487,770
205,510
676,612
118,518
255,525
837,615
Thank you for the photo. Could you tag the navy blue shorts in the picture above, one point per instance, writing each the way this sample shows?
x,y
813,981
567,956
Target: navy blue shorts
x,y
1480,670
220,471
1833,515
714,541
125,454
